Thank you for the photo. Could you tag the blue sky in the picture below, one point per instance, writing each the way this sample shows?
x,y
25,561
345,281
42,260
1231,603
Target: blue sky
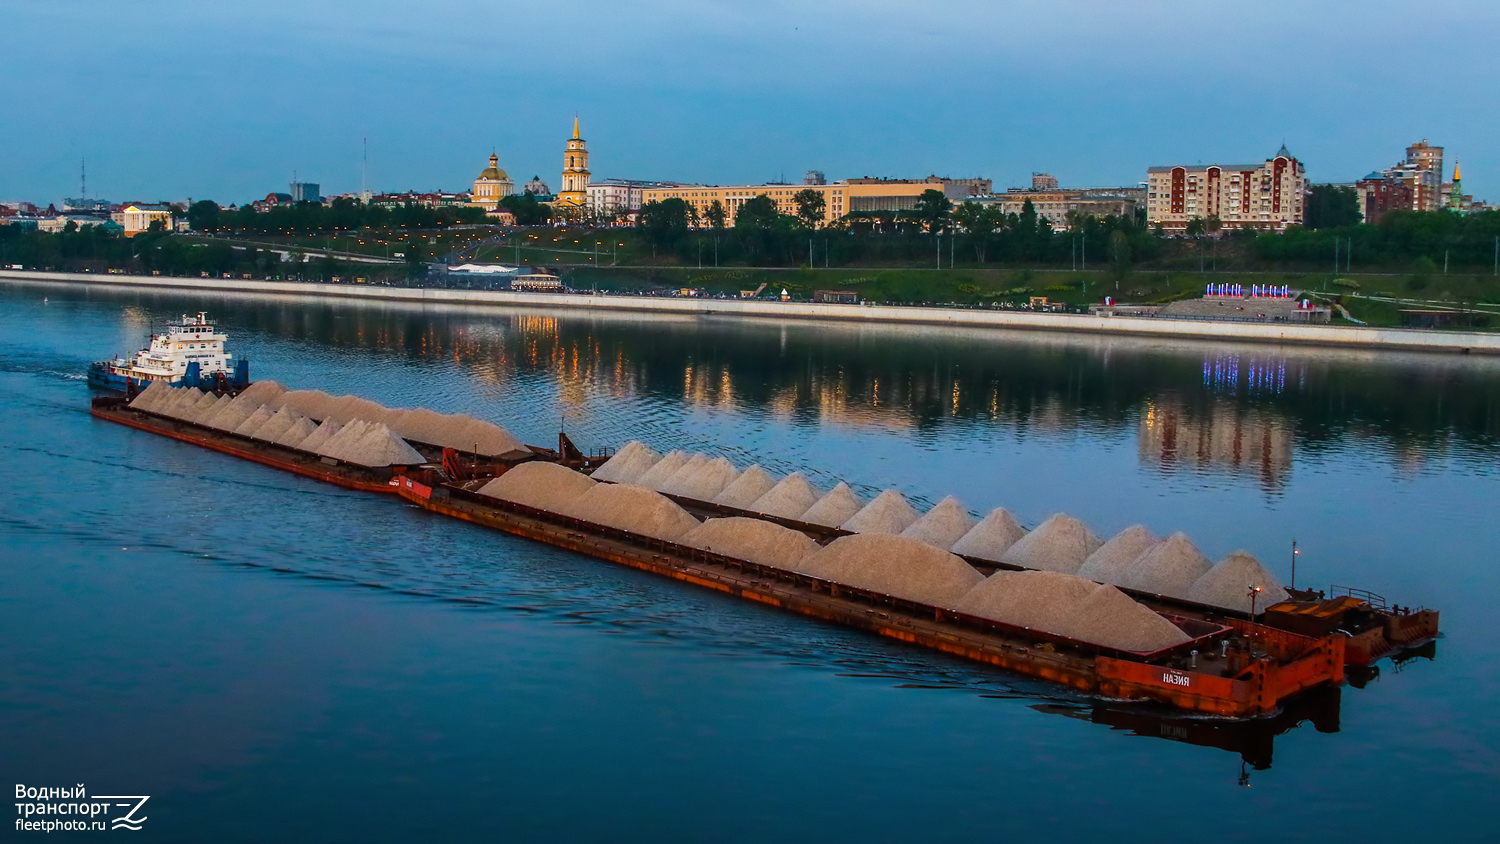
x,y
216,100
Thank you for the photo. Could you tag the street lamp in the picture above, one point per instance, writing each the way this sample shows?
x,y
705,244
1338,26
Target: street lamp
x,y
1295,553
1254,592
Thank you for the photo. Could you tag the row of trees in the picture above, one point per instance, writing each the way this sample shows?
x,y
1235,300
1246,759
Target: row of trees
x,y
95,249
983,233
763,235
343,214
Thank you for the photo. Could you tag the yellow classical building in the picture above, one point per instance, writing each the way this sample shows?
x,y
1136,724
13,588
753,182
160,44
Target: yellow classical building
x,y
839,198
575,175
492,185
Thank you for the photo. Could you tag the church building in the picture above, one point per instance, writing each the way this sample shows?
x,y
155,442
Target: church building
x,y
575,175
492,185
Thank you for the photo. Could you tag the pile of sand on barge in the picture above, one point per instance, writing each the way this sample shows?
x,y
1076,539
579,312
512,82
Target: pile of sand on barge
x,y
755,540
545,486
942,526
896,566
1134,558
1070,606
1060,544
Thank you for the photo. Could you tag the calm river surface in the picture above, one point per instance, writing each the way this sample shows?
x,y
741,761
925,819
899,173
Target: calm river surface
x,y
269,657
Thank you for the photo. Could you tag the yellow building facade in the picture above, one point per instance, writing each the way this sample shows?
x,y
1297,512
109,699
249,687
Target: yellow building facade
x,y
492,185
839,198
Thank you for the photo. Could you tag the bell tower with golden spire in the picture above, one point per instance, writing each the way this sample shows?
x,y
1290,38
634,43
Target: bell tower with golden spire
x,y
575,175
1456,190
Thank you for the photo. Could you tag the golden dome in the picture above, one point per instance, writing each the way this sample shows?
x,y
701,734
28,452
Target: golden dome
x,y
493,172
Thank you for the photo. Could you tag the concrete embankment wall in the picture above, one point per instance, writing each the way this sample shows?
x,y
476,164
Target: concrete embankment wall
x,y
1352,336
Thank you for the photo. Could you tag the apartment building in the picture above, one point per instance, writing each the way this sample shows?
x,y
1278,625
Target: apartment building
x,y
1270,195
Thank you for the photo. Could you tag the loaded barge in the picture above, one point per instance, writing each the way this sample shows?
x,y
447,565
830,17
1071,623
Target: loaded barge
x,y
1229,665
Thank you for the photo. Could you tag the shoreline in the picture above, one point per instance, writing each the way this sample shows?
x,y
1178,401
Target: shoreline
x,y
1405,339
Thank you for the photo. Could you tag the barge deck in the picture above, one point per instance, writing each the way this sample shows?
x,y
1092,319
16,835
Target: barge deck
x,y
1232,667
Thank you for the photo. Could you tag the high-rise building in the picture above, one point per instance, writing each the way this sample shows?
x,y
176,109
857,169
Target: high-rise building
x,y
1414,184
1043,181
575,175
1423,156
306,192
1240,196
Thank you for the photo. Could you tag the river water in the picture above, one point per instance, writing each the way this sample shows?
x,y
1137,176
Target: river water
x,y
267,656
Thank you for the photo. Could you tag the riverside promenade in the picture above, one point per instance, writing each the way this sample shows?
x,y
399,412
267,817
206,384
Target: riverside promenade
x,y
1408,339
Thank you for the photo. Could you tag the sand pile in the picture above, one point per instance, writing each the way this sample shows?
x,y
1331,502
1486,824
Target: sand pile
x,y
203,405
633,508
234,414
206,418
894,565
743,490
188,409
465,433
755,540
419,424
545,486
354,407
310,403
662,470
252,423
280,422
1169,567
992,537
1041,600
627,464
172,405
300,430
264,392
835,508
381,447
1059,544
341,444
459,432
1109,617
318,438
163,406
1228,584
707,481
1106,564
887,513
147,399
789,499
686,470
943,525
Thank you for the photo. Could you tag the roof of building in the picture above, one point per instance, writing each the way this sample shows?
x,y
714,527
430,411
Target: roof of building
x,y
1204,168
493,172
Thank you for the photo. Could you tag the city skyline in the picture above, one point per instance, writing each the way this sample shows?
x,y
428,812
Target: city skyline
x,y
170,101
